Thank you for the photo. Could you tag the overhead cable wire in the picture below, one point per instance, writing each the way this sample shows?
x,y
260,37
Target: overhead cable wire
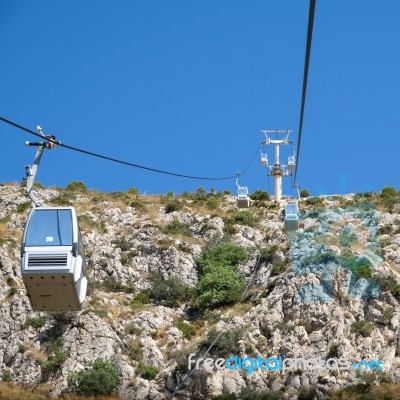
x,y
204,355
305,78
251,162
90,153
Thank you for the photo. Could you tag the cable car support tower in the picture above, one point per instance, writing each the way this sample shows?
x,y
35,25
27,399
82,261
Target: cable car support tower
x,y
278,170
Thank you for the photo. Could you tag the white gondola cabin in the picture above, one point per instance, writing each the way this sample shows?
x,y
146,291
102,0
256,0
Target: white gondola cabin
x,y
291,217
243,200
291,163
264,160
53,262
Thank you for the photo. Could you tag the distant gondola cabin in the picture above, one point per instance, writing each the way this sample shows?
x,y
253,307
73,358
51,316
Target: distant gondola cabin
x,y
291,217
243,200
264,160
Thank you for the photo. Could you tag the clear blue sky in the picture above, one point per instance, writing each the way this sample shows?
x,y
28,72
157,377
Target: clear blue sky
x,y
187,86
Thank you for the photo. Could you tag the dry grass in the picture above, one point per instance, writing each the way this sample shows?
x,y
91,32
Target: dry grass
x,y
36,355
9,391
238,309
382,392
120,312
3,230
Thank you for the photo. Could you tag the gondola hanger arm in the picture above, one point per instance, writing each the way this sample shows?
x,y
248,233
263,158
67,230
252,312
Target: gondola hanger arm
x,y
31,170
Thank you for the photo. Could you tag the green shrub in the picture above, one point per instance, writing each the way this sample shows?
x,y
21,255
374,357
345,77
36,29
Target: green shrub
x,y
62,200
122,243
386,282
132,329
389,197
333,351
278,268
139,299
36,322
260,204
364,272
177,227
100,313
385,229
138,205
388,313
21,348
362,328
134,352
260,195
395,290
76,186
225,254
218,287
188,331
388,192
112,285
227,342
269,288
12,291
133,192
283,326
184,248
100,378
54,362
21,208
313,201
307,393
245,218
304,193
347,238
147,371
229,227
172,291
248,393
181,358
213,203
62,317
172,205
7,376
199,197
127,256
267,254
56,355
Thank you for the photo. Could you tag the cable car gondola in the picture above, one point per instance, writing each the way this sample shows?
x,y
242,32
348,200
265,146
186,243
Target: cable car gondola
x,y
243,200
264,159
53,260
291,163
292,216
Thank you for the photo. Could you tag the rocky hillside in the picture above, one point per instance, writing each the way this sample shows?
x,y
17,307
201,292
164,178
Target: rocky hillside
x,y
168,274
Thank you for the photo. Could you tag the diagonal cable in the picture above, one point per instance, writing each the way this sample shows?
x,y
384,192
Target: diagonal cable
x,y
305,78
204,355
